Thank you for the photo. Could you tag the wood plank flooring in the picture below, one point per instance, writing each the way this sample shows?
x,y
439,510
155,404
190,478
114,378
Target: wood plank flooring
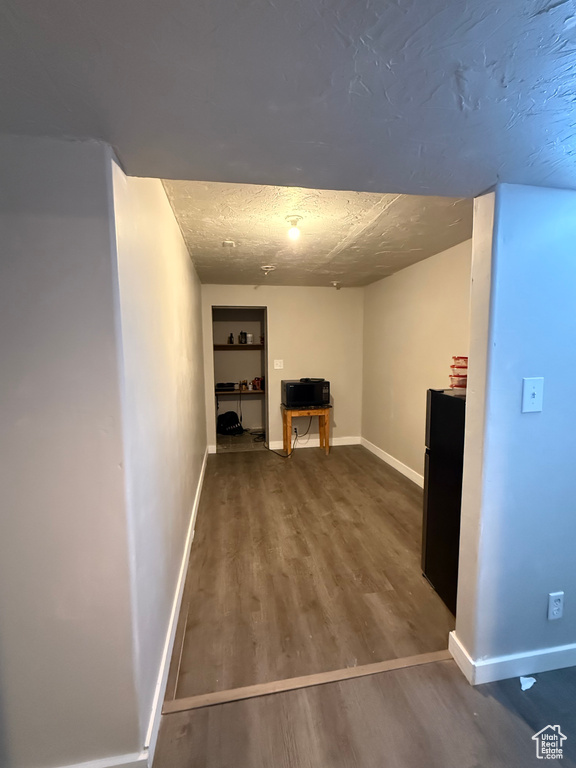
x,y
301,566
307,681
420,717
239,443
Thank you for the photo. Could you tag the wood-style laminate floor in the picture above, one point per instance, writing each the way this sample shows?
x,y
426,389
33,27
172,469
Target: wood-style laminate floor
x,y
301,566
247,441
420,717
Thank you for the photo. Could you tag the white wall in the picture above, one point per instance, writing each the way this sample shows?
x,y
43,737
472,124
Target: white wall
x,y
316,331
414,322
520,538
66,676
164,416
101,451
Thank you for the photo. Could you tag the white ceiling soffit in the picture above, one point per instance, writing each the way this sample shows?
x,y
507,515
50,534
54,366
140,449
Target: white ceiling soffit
x,y
441,97
351,237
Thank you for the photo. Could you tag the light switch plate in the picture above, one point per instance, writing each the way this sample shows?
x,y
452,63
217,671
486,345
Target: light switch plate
x,y
532,395
278,365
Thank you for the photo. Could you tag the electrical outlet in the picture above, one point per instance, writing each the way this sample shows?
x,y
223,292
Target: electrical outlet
x,y
555,605
278,365
296,431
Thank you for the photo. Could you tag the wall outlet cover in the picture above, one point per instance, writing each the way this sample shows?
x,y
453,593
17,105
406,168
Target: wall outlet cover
x,y
532,395
555,605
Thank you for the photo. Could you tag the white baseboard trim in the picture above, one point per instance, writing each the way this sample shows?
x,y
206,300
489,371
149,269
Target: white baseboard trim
x,y
513,665
211,449
134,760
462,658
343,441
160,691
408,472
314,442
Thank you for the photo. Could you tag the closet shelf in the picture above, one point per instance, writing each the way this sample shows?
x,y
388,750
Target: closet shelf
x,y
242,392
222,347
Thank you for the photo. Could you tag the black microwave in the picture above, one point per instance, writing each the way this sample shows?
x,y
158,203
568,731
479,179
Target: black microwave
x,y
298,393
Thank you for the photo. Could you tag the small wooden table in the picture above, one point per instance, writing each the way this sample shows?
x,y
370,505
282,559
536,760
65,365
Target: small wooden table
x,y
323,425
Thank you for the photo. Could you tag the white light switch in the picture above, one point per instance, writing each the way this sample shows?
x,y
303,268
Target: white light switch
x,y
532,395
278,365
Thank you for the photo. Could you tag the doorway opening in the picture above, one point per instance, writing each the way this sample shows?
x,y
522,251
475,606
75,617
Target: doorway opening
x,y
317,560
240,361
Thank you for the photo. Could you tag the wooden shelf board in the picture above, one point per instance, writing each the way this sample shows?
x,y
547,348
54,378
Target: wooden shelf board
x,y
240,392
226,347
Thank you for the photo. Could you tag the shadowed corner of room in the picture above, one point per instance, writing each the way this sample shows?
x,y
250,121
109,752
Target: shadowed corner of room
x,y
549,699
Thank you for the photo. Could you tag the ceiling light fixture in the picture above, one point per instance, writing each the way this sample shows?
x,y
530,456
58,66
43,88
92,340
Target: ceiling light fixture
x,y
294,232
336,284
267,268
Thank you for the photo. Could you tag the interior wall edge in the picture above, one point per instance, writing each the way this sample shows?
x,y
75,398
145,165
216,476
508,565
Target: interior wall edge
x,y
72,667
164,430
476,409
156,711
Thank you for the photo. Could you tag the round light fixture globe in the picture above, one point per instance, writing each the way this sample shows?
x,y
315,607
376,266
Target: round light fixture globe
x,y
293,232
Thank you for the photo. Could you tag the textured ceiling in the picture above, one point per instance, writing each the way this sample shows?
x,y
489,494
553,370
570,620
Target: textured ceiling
x,y
352,237
441,97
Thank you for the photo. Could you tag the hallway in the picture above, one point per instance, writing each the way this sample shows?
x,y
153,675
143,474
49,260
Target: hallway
x,y
303,566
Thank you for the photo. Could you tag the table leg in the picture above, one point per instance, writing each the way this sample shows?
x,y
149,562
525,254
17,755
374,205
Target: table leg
x,y
321,430
326,431
286,436
289,432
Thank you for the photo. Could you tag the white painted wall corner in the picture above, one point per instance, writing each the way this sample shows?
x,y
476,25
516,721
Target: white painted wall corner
x,y
154,724
495,668
407,471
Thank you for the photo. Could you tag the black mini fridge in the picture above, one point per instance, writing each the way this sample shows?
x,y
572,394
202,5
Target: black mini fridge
x,y
445,415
